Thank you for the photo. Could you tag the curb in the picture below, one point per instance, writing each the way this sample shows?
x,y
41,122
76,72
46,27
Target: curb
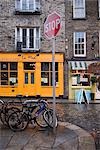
x,y
85,140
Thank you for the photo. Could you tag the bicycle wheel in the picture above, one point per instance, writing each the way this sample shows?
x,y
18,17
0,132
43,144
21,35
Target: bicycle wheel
x,y
6,113
41,121
1,104
48,117
18,121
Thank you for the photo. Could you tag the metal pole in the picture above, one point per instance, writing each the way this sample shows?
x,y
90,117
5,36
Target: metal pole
x,y
54,81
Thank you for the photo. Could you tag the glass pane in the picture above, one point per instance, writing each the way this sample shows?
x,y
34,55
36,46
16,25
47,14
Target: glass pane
x,y
79,8
4,82
51,81
31,4
24,38
24,4
26,78
13,66
4,75
29,66
56,66
13,78
44,66
32,78
45,78
4,66
56,78
13,74
31,38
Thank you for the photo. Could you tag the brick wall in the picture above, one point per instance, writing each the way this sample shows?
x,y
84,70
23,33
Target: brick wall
x,y
89,25
8,22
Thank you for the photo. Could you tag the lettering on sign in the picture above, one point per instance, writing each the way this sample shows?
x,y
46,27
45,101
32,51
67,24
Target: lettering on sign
x,y
52,25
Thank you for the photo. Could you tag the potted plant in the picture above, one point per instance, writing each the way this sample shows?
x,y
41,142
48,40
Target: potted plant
x,y
93,79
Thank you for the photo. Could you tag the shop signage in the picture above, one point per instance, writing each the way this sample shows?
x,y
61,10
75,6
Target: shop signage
x,y
52,25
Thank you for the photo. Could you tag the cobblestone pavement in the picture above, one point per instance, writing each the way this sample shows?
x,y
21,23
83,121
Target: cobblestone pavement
x,y
87,116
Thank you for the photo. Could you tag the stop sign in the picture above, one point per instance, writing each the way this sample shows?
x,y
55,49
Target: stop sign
x,y
52,25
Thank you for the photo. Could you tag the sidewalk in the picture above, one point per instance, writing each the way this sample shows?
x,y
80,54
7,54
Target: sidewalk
x,y
67,137
64,100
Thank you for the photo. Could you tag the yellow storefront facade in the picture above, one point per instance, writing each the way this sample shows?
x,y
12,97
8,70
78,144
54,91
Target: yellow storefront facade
x,y
30,74
80,79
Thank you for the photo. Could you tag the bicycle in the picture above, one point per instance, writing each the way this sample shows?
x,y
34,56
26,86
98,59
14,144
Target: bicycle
x,y
32,112
5,111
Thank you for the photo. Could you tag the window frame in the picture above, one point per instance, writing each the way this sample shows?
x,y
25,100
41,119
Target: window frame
x,y
19,6
98,9
81,8
79,55
49,72
28,72
19,37
12,74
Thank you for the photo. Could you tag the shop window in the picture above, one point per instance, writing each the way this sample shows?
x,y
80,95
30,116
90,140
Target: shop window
x,y
81,80
46,74
8,73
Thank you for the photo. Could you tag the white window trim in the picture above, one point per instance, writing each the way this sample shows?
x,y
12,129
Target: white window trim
x,y
75,8
21,2
27,43
80,55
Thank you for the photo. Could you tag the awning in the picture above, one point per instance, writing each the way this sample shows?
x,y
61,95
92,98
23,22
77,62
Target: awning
x,y
78,65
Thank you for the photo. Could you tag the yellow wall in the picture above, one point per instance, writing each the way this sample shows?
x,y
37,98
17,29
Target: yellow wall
x,y
35,89
73,88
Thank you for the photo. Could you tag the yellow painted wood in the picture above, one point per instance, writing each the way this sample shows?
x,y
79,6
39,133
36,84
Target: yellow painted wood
x,y
36,88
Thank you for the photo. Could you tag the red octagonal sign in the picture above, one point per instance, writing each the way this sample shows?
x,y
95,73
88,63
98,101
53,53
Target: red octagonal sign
x,y
52,25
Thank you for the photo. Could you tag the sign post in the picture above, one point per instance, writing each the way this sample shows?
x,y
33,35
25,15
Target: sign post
x,y
51,27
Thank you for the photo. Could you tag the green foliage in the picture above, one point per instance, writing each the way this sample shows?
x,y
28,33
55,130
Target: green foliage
x,y
93,79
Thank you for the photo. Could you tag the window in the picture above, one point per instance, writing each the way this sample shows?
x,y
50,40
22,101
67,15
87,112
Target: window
x,y
8,73
99,7
30,38
80,79
27,5
46,74
29,66
79,44
78,8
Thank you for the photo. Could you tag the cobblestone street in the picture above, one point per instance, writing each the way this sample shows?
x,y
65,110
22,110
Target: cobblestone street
x,y
85,116
82,115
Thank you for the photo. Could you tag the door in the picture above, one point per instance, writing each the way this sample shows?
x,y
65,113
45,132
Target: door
x,y
29,79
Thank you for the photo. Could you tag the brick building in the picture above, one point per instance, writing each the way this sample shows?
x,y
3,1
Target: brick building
x,y
25,53
82,28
